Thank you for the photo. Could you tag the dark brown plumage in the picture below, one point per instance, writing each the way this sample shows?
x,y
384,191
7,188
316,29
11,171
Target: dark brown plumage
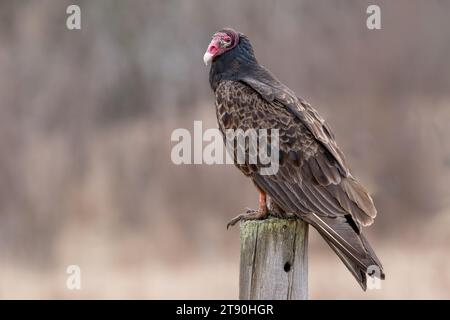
x,y
313,181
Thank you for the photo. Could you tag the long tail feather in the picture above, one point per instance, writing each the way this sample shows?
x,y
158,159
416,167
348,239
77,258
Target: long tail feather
x,y
350,246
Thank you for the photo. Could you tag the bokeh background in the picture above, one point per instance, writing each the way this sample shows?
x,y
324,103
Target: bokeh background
x,y
86,117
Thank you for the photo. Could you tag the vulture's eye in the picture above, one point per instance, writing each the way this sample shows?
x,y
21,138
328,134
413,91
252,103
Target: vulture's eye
x,y
225,41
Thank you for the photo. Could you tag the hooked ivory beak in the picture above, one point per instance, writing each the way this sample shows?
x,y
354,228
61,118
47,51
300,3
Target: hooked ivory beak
x,y
207,58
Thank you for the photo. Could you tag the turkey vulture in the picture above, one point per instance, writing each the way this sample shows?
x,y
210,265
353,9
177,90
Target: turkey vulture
x,y
313,181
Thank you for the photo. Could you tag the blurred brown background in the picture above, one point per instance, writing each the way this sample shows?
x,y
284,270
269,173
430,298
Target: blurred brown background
x,y
85,123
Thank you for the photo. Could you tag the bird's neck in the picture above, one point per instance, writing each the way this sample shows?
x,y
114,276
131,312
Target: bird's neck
x,y
233,64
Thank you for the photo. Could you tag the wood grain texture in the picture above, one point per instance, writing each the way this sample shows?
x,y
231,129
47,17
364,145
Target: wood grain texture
x,y
274,260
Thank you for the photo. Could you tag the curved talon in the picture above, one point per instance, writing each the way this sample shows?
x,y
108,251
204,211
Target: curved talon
x,y
235,220
250,214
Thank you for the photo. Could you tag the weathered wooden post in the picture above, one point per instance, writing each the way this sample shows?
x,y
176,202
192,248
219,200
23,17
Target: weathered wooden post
x,y
274,260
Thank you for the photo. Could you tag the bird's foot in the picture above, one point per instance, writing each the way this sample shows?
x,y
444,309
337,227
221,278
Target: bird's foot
x,y
250,214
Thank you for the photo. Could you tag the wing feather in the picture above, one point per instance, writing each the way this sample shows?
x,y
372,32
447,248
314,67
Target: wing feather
x,y
321,179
